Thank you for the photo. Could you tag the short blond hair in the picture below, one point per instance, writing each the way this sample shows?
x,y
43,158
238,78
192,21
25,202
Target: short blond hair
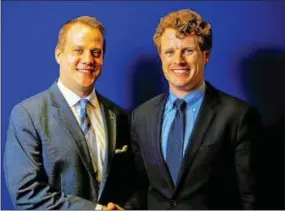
x,y
186,22
87,20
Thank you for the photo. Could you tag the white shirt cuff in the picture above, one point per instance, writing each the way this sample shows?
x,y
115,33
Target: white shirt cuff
x,y
98,207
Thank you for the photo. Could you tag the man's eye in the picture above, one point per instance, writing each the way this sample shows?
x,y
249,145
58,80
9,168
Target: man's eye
x,y
96,53
188,51
169,52
78,50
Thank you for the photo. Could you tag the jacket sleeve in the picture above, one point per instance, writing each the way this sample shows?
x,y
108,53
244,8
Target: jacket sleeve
x,y
248,137
25,176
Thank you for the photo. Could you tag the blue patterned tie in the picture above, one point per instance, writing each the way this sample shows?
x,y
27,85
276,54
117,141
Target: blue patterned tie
x,y
84,119
174,153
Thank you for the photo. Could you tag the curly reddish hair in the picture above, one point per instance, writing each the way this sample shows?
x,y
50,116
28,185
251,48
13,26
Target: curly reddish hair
x,y
185,22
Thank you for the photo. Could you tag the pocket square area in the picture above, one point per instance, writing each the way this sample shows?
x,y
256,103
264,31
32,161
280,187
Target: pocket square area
x,y
123,149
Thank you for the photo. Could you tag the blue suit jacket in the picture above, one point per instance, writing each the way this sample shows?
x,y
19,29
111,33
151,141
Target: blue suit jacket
x,y
46,161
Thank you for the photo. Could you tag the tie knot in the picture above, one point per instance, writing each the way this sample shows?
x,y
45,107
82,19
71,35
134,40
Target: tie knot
x,y
179,104
83,103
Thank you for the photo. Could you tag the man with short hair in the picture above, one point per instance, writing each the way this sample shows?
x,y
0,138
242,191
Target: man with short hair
x,y
61,143
194,150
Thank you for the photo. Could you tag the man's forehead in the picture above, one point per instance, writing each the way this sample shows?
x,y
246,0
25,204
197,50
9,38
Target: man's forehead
x,y
169,33
172,35
79,27
79,31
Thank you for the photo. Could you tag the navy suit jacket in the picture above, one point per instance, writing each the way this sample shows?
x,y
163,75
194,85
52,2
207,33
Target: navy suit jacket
x,y
217,168
46,161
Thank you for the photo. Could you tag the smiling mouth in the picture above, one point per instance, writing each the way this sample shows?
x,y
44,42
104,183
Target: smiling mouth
x,y
86,71
180,71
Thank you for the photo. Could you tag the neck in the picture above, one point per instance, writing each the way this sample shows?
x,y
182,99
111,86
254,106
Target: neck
x,y
82,93
181,92
78,90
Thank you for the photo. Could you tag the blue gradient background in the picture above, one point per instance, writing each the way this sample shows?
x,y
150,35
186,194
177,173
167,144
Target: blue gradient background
x,y
247,61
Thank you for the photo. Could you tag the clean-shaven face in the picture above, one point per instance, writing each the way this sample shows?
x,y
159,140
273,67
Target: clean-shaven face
x,y
182,61
81,58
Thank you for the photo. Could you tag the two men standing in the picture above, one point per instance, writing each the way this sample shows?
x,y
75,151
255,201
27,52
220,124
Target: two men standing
x,y
69,147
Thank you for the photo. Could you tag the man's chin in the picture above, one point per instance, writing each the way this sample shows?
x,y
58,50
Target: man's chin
x,y
87,86
182,87
86,83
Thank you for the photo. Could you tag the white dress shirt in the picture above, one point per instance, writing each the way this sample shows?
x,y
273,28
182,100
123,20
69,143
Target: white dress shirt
x,y
96,119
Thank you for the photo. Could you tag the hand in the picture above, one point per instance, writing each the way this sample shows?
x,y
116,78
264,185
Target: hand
x,y
112,206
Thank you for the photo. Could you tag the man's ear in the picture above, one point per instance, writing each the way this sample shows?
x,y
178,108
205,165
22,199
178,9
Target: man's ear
x,y
207,56
57,54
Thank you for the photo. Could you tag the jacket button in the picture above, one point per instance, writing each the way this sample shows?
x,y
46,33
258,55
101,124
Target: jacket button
x,y
173,202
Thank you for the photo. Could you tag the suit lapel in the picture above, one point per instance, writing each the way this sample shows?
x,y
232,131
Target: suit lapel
x,y
66,119
110,126
202,124
155,122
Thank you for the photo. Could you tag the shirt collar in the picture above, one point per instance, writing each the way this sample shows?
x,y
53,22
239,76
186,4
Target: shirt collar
x,y
190,99
72,98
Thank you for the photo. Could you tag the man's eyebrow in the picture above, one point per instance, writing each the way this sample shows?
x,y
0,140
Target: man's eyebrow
x,y
96,49
77,46
98,39
170,48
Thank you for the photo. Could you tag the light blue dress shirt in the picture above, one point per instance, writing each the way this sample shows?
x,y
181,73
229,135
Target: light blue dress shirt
x,y
193,104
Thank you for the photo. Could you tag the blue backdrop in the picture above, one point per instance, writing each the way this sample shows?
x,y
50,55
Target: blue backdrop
x,y
247,61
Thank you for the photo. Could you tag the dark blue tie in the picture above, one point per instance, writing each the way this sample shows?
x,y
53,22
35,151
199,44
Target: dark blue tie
x,y
174,152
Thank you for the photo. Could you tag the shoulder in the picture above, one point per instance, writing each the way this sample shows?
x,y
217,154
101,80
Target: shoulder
x,y
232,102
108,104
33,104
29,112
151,104
226,102
231,107
147,109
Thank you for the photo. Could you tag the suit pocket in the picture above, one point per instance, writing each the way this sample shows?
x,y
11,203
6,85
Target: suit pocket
x,y
122,150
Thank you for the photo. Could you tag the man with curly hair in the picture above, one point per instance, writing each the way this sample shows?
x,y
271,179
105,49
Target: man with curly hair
x,y
195,149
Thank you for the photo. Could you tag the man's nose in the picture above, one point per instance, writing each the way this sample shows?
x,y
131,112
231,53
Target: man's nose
x,y
179,58
87,58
